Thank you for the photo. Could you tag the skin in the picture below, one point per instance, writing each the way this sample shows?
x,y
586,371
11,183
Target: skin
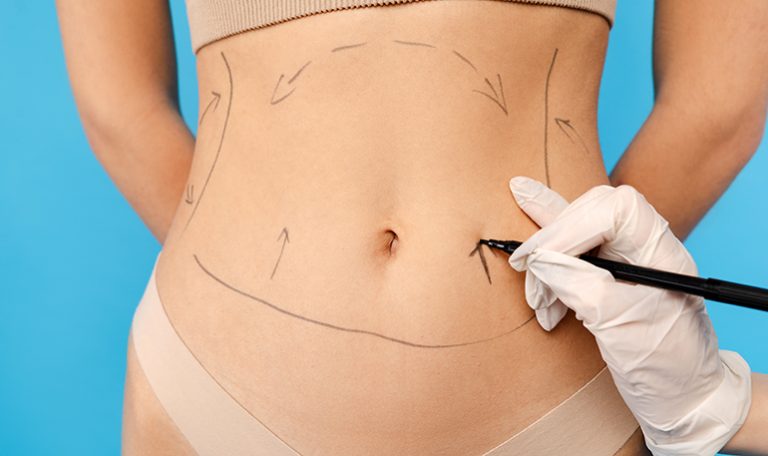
x,y
130,114
710,68
126,91
383,324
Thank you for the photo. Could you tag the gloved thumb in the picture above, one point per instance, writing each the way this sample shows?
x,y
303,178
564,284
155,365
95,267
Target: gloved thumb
x,y
574,282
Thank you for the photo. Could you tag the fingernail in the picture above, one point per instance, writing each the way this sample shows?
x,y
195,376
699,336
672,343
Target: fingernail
x,y
524,188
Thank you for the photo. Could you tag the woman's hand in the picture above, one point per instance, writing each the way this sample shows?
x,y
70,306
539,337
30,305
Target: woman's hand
x,y
689,397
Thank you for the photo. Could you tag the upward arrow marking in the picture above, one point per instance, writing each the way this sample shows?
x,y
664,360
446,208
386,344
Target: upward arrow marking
x,y
284,236
216,98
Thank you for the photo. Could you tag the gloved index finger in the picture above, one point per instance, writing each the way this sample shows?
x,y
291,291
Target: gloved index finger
x,y
577,229
541,203
619,218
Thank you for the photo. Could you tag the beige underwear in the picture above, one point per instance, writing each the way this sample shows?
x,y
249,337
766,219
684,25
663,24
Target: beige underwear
x,y
593,421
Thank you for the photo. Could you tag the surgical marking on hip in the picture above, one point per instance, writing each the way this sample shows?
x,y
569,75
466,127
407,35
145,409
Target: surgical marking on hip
x,y
221,143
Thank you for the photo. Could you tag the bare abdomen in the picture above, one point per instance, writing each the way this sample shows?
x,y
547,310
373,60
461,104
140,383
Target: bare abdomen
x,y
323,264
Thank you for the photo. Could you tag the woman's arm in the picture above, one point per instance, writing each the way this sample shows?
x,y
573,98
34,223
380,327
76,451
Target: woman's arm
x,y
711,78
121,62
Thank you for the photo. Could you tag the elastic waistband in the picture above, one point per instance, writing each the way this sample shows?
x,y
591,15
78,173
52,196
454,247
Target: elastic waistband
x,y
212,421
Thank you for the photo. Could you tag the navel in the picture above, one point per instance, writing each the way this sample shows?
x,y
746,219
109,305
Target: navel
x,y
391,241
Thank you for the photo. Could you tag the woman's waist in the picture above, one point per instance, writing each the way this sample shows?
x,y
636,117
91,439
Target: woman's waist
x,y
316,333
341,262
345,293
322,228
379,218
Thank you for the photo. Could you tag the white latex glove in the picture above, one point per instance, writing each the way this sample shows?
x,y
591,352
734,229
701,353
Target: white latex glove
x,y
689,397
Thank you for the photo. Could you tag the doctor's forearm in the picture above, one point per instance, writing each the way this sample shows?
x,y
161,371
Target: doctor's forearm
x,y
683,161
751,438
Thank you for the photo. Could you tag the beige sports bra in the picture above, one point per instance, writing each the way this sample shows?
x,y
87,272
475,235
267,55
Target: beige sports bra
x,y
210,20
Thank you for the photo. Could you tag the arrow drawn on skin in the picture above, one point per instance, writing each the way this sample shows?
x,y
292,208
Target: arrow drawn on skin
x,y
495,98
273,101
284,235
466,60
221,142
216,99
479,250
565,126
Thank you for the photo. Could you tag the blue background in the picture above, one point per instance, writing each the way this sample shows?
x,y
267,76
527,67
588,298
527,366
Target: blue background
x,y
75,258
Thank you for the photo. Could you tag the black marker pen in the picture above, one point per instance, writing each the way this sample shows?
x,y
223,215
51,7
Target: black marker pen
x,y
713,289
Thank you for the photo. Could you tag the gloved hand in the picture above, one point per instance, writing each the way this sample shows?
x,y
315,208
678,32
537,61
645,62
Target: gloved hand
x,y
689,397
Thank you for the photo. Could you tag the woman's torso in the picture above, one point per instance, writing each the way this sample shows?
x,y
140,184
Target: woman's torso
x,y
320,138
